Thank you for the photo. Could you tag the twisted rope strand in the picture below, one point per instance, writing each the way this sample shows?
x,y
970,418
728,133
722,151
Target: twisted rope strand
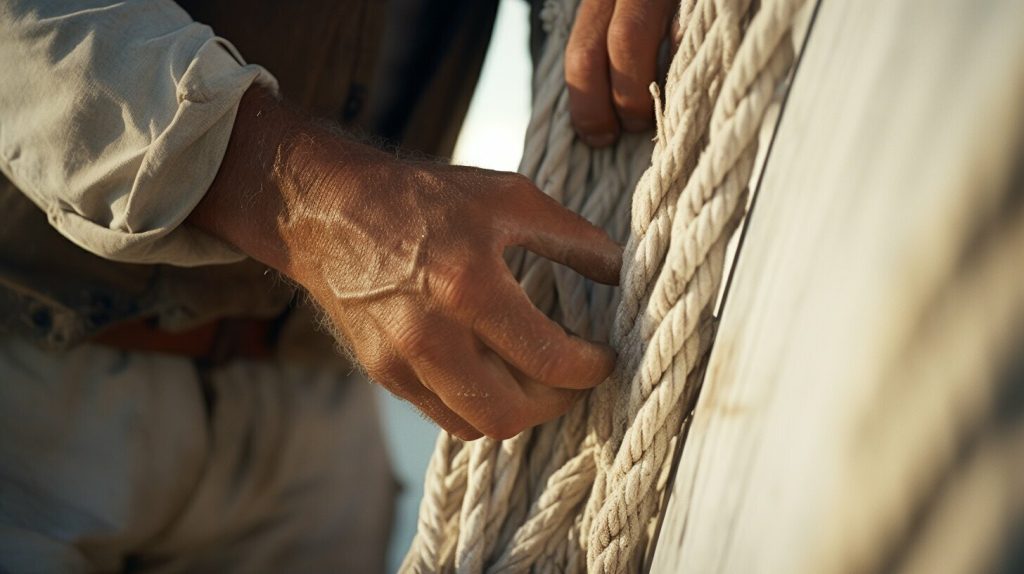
x,y
582,492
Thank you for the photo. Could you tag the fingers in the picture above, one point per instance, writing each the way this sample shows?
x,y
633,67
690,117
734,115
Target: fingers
x,y
544,226
586,74
537,346
610,60
475,383
635,33
400,380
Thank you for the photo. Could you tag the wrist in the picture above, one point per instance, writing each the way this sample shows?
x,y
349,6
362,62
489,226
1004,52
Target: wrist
x,y
280,175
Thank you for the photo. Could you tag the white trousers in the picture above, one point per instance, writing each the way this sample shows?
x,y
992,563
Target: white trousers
x,y
116,461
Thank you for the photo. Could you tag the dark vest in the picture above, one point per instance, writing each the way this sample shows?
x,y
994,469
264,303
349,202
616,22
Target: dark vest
x,y
400,71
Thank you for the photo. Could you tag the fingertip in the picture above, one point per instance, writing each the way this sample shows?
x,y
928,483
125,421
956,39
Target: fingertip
x,y
597,140
635,124
606,362
592,112
586,75
555,232
594,363
635,35
599,257
465,435
634,106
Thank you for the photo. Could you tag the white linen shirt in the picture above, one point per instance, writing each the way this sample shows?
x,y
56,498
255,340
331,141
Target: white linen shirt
x,y
114,118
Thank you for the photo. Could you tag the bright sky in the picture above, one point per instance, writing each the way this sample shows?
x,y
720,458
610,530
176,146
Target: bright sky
x,y
491,137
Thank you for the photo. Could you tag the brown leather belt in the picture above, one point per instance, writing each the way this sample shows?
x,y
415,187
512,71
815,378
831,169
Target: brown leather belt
x,y
213,343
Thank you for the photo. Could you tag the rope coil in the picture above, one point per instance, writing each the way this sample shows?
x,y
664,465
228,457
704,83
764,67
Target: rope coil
x,y
582,492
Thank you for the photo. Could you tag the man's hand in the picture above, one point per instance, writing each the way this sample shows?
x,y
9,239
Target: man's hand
x,y
406,259
610,61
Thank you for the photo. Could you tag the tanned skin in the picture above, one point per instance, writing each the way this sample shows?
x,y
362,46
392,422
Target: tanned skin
x,y
610,62
405,257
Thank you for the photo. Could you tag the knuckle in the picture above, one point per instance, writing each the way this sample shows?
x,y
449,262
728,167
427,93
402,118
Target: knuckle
x,y
523,184
378,369
415,341
514,187
584,62
380,364
456,287
625,33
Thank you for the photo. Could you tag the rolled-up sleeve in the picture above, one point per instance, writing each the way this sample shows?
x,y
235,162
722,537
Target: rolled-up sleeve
x,y
114,118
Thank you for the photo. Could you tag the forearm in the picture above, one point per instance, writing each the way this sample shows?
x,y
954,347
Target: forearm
x,y
247,203
281,177
114,117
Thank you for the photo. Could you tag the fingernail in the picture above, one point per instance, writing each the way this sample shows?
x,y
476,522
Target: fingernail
x,y
599,140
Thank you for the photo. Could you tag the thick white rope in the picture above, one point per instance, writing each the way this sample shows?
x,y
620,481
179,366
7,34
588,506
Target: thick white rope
x,y
582,492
